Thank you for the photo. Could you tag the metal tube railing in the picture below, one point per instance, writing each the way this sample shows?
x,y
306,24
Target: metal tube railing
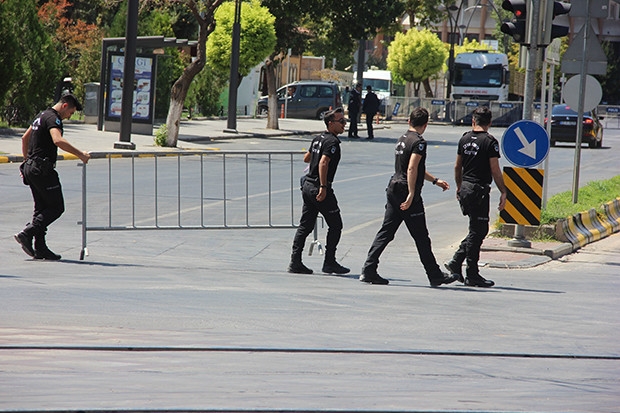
x,y
124,202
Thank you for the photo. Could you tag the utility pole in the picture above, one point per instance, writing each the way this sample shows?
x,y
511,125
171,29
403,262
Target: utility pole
x,y
234,71
131,39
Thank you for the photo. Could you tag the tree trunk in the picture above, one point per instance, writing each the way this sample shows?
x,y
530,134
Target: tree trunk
x,y
428,90
272,102
206,23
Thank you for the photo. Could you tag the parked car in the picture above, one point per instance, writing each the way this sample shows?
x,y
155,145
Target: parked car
x,y
564,126
306,99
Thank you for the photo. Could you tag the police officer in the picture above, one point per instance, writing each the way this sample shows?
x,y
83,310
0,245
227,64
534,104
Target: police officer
x,y
318,196
404,203
40,145
370,107
477,162
355,105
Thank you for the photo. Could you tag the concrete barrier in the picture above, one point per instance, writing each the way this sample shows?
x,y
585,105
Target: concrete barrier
x,y
585,227
612,214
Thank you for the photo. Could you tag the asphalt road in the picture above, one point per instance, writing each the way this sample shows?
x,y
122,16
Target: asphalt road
x,y
210,321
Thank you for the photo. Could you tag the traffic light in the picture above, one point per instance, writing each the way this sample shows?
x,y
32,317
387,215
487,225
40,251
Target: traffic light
x,y
551,31
517,28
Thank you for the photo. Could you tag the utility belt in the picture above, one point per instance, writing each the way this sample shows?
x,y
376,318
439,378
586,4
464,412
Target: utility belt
x,y
472,196
313,181
41,162
36,166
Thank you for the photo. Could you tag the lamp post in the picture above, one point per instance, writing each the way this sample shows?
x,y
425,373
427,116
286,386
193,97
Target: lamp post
x,y
453,21
234,71
465,28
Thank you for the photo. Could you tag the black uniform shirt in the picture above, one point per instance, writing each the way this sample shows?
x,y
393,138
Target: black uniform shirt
x,y
355,101
371,103
328,145
41,143
476,148
408,144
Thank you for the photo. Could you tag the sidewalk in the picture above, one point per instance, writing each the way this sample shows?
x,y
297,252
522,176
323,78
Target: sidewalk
x,y
194,134
200,135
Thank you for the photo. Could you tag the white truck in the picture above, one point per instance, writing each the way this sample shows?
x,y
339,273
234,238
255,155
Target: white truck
x,y
481,75
381,82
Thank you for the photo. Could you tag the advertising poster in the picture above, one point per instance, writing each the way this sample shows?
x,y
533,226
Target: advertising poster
x,y
142,88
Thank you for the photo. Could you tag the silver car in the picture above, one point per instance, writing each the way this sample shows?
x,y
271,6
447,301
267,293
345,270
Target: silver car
x,y
306,99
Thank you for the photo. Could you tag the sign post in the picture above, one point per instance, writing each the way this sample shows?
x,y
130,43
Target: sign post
x,y
525,144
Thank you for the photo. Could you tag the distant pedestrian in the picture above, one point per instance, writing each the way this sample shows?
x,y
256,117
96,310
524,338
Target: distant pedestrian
x,y
40,145
355,106
318,196
477,163
370,107
404,203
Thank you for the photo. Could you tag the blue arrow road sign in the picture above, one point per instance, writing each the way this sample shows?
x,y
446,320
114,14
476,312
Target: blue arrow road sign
x,y
525,143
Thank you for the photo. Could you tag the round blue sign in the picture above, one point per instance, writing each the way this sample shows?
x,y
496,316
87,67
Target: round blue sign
x,y
525,143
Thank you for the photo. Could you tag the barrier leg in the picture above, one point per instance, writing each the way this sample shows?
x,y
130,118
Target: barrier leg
x,y
316,241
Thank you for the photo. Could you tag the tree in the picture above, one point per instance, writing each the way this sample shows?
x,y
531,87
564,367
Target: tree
x,y
205,92
257,38
204,13
415,56
424,12
36,65
9,46
336,23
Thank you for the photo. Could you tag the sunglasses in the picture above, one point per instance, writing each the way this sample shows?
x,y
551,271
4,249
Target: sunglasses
x,y
342,121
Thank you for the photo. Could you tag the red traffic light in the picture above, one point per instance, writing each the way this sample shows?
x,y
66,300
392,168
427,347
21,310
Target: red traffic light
x,y
518,7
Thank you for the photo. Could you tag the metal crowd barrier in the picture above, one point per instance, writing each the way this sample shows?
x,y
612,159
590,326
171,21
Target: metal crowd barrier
x,y
190,190
457,112
611,116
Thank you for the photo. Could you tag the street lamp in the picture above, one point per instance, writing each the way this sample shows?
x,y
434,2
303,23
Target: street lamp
x,y
234,71
453,21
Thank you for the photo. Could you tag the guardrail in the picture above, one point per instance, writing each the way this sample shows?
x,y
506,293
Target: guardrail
x,y
190,190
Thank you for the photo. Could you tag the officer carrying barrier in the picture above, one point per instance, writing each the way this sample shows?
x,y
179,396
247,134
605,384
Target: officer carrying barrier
x,y
190,190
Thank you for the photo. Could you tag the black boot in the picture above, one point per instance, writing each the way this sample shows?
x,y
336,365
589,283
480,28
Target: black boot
x,y
332,267
41,251
297,267
24,238
455,269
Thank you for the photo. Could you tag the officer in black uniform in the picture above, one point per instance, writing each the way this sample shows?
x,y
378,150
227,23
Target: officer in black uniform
x,y
404,203
318,195
355,106
477,162
370,107
40,145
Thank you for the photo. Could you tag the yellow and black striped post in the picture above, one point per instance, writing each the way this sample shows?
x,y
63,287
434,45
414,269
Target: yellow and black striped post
x,y
524,199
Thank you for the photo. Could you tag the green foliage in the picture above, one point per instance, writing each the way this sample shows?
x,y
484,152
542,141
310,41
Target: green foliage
x,y
161,135
611,81
205,91
426,12
416,55
257,38
88,68
36,65
592,195
9,46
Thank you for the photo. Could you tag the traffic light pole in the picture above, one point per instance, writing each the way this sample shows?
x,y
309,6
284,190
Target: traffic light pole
x,y
519,239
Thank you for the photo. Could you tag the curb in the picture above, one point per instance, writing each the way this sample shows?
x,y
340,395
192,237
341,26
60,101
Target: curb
x,y
554,253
